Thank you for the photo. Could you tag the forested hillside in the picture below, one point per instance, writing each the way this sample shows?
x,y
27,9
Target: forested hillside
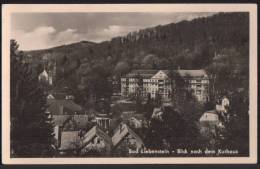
x,y
219,44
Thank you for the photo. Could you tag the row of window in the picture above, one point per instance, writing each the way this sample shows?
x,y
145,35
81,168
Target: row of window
x,y
144,80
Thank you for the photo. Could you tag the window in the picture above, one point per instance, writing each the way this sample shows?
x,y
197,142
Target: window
x,y
206,87
198,91
198,86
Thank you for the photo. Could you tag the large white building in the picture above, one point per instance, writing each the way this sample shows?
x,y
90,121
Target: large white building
x,y
162,82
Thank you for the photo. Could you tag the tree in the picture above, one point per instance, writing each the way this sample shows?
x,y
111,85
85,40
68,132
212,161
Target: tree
x,y
233,138
31,127
172,131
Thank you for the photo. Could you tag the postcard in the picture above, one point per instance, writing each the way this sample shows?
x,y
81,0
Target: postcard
x,y
129,84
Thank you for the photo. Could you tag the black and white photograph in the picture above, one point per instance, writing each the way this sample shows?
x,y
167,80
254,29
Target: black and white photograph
x,y
130,84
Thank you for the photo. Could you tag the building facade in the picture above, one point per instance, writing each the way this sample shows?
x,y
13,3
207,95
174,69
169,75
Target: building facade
x,y
162,83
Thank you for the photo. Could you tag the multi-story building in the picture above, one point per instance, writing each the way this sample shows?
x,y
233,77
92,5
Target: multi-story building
x,y
163,82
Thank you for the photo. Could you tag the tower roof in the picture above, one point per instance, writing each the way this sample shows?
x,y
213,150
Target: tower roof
x,y
44,75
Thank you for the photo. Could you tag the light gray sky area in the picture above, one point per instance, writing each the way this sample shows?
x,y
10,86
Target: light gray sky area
x,y
44,30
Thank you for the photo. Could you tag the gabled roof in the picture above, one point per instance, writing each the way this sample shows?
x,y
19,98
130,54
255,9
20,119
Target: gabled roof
x,y
210,116
161,74
70,140
95,131
57,107
120,134
60,119
80,120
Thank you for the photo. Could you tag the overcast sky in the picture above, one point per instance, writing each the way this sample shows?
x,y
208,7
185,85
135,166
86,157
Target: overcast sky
x,y
45,30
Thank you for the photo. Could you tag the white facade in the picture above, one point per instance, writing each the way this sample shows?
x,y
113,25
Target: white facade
x,y
159,83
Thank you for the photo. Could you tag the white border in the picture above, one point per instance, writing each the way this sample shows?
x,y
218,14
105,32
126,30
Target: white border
x,y
26,8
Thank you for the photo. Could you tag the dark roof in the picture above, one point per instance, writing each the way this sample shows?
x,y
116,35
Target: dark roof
x,y
102,115
60,119
57,107
80,120
192,73
181,72
143,73
58,95
127,116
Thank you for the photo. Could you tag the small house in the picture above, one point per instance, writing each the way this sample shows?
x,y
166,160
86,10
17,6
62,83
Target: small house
x,y
96,141
208,123
125,139
69,143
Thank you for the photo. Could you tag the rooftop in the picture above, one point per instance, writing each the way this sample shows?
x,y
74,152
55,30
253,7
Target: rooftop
x,y
192,73
57,107
184,73
122,132
96,131
143,73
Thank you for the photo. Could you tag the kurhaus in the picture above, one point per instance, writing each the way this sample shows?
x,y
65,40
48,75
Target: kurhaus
x,y
162,82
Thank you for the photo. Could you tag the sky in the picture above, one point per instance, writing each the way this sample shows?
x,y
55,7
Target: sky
x,y
35,31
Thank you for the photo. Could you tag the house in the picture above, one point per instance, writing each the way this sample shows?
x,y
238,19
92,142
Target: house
x,y
209,121
210,117
103,121
70,142
133,119
96,140
162,83
135,123
50,96
225,102
157,113
223,105
63,107
125,139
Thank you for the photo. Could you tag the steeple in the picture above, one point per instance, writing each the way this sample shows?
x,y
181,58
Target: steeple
x,y
44,76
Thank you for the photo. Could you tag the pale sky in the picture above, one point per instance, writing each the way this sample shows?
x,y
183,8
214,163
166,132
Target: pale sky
x,y
44,30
